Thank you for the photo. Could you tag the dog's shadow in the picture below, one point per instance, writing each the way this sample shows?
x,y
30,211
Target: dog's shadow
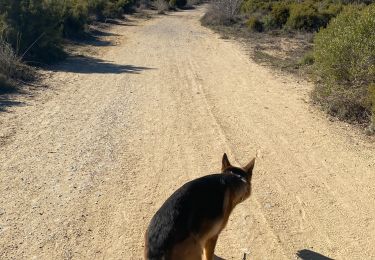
x,y
306,254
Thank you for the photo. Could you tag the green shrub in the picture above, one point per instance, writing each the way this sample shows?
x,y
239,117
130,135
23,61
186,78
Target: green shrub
x,y
75,16
126,5
96,7
172,3
308,58
5,84
181,3
252,6
36,28
177,3
305,16
333,9
268,22
277,17
113,9
33,28
280,14
345,61
254,24
372,105
103,9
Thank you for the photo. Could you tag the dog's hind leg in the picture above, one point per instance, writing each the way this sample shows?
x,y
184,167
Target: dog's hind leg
x,y
189,249
210,248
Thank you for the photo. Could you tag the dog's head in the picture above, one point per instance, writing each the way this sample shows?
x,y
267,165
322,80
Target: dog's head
x,y
244,174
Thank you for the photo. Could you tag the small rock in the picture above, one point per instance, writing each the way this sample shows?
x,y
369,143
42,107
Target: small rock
x,y
268,205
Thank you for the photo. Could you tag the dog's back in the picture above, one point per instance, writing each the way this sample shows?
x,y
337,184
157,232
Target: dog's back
x,y
192,215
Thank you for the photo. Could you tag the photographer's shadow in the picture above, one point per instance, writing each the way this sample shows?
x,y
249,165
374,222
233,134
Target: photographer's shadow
x,y
306,254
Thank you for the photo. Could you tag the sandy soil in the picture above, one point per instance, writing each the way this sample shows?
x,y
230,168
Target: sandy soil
x,y
87,162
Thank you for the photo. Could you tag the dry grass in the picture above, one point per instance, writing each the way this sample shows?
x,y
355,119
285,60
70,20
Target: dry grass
x,y
281,50
161,5
12,70
8,60
221,12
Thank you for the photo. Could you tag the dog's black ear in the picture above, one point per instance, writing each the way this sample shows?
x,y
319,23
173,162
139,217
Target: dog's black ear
x,y
249,168
225,163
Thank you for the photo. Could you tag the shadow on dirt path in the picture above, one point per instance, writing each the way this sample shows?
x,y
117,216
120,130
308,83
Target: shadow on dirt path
x,y
88,65
7,102
7,98
306,254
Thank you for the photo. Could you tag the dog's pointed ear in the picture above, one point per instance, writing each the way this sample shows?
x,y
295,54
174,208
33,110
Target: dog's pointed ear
x,y
249,168
225,163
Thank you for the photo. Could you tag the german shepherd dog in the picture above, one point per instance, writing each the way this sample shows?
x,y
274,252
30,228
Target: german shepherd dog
x,y
188,224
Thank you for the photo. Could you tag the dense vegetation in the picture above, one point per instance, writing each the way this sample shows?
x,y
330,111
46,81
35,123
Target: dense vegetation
x,y
35,28
343,56
306,15
293,15
32,31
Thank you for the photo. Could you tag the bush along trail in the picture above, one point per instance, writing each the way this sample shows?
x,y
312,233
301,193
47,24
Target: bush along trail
x,y
345,62
33,32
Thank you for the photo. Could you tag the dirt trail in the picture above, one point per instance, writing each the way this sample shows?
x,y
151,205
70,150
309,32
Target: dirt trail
x,y
86,164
